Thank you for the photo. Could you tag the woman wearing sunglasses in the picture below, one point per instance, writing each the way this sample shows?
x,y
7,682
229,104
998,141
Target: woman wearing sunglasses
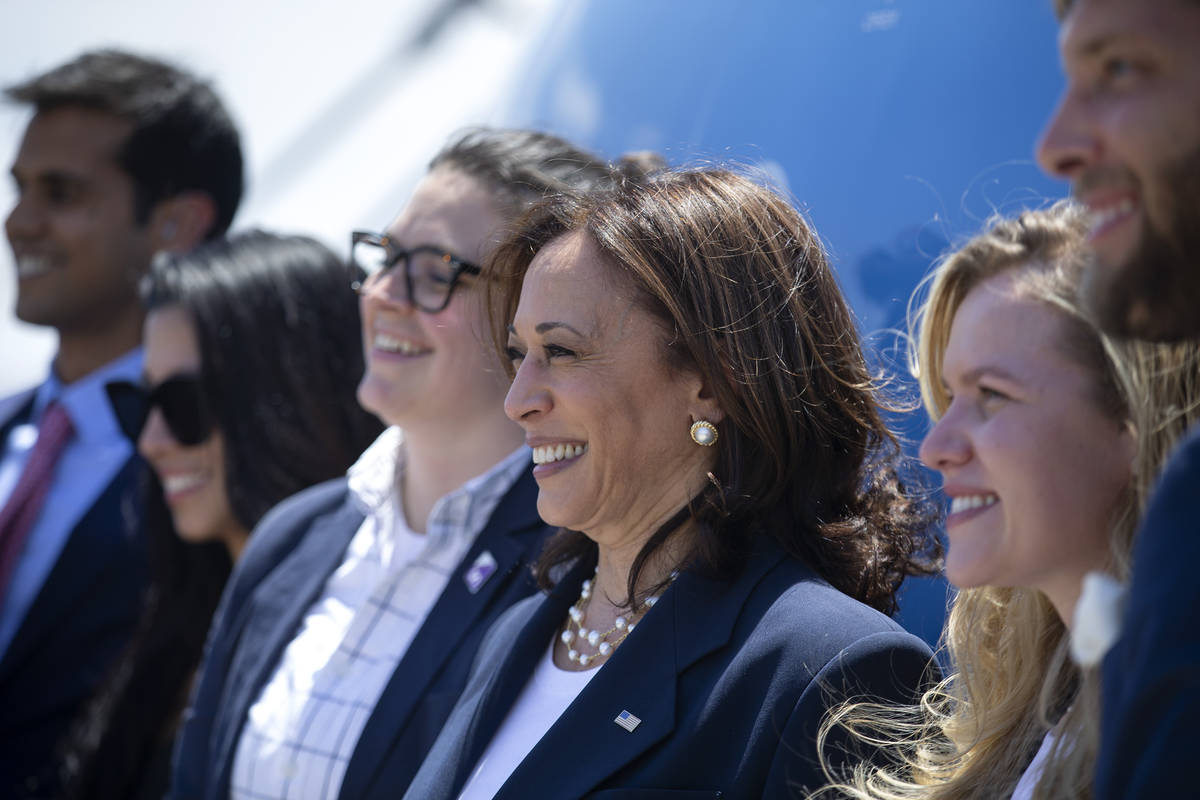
x,y
350,626
247,397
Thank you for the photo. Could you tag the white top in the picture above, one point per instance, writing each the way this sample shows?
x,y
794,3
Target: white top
x,y
543,700
88,464
302,730
1033,773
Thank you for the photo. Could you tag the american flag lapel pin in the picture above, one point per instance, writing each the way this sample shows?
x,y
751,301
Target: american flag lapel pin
x,y
483,568
627,721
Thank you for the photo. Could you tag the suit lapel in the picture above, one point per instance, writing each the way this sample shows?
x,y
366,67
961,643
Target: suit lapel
x,y
105,533
515,667
694,617
273,615
511,536
14,409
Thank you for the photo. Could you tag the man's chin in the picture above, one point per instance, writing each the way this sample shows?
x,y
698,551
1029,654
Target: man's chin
x,y
1155,296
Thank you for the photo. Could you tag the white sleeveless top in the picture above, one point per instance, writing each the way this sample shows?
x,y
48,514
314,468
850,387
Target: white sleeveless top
x,y
543,700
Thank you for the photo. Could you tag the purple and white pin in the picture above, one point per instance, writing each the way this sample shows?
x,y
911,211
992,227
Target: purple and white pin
x,y
483,568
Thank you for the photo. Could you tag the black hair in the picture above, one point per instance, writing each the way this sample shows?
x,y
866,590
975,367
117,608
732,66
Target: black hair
x,y
280,343
281,346
183,138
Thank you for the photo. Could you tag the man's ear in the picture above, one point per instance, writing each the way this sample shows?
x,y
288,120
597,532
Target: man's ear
x,y
179,223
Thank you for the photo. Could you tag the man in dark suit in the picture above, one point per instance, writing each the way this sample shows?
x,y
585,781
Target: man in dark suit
x,y
124,156
1127,135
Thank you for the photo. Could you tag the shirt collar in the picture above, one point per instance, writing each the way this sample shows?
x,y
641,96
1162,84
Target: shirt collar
x,y
373,478
464,511
85,400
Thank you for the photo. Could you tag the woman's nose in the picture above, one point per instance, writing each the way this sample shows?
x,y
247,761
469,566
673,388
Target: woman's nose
x,y
946,445
155,439
528,395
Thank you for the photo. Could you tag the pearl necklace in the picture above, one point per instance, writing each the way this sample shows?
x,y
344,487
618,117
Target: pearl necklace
x,y
594,638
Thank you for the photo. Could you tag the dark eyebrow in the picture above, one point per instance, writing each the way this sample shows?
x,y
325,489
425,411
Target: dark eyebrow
x,y
542,327
396,244
49,176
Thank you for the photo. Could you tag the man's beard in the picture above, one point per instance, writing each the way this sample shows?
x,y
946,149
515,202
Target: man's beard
x,y
1155,294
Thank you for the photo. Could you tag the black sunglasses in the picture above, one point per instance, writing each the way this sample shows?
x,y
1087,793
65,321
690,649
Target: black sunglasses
x,y
181,400
430,273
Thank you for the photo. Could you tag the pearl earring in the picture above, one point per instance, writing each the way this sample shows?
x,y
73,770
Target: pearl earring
x,y
704,433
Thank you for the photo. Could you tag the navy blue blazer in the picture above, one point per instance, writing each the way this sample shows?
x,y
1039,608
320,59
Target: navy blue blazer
x,y
290,556
79,622
730,682
1151,677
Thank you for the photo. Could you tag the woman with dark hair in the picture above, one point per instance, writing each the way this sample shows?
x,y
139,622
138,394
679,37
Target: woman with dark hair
x,y
248,397
349,628
707,436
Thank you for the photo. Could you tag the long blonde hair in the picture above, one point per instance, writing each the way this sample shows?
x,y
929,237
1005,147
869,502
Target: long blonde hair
x,y
1012,680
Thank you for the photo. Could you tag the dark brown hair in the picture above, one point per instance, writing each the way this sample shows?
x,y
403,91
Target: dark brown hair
x,y
743,286
520,167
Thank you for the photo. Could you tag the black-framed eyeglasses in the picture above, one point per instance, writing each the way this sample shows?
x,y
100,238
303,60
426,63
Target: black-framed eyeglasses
x,y
430,273
180,398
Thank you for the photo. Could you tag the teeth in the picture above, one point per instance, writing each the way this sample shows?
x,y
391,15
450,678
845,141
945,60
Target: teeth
x,y
968,502
29,266
1102,216
179,483
550,453
393,344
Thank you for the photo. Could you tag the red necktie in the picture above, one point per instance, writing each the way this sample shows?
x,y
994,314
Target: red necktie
x,y
25,502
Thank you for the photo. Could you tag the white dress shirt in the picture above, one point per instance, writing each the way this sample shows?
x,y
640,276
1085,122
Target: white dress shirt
x,y
302,730
89,462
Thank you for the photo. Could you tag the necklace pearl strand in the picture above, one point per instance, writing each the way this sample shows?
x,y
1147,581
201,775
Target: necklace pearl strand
x,y
594,638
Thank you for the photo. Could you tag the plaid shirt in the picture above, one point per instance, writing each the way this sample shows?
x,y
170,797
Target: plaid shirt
x,y
303,728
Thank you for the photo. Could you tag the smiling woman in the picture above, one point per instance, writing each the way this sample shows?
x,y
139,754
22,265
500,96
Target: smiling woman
x,y
1048,437
247,397
707,438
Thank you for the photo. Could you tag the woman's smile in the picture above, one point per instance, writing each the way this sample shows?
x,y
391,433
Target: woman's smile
x,y
964,507
551,458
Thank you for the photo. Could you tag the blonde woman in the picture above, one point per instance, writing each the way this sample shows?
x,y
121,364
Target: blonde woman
x,y
1047,436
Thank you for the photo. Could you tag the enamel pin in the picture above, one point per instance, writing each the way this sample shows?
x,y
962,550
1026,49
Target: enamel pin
x,y
483,568
627,721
